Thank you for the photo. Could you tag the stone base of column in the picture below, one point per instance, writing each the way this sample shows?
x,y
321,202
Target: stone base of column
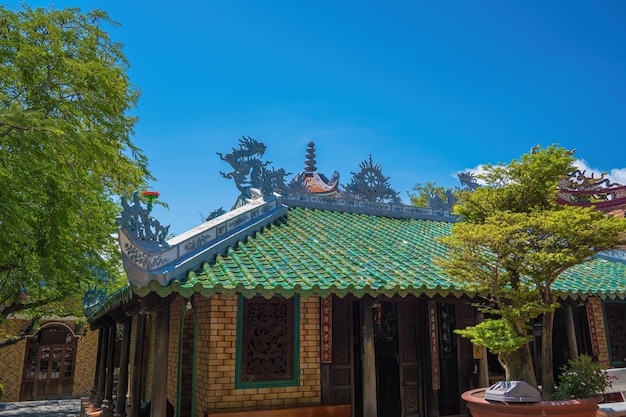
x,y
107,409
122,413
97,401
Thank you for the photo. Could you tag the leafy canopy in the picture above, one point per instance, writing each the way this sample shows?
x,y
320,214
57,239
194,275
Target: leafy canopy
x,y
65,132
513,243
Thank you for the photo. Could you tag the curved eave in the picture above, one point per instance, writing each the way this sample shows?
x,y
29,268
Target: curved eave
x,y
187,290
121,297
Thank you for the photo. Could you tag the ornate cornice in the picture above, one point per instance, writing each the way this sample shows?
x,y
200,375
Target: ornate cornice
x,y
396,210
146,261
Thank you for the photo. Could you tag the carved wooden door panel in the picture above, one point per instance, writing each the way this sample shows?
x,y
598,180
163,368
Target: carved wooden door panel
x,y
411,387
49,365
341,374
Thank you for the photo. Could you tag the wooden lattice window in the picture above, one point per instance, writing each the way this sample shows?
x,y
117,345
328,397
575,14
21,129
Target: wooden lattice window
x,y
267,342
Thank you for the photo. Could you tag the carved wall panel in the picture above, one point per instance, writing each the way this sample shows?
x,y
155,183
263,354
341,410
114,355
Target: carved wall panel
x,y
267,339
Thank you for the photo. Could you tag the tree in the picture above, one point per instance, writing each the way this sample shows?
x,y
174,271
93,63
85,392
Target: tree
x,y
431,195
513,243
66,151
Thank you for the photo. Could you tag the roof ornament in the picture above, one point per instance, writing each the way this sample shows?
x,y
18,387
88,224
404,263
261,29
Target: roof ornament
x,y
93,296
446,199
436,202
250,171
578,189
577,180
309,164
468,180
138,223
309,181
370,184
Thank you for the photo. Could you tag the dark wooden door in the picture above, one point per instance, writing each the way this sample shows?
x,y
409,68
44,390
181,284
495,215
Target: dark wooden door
x,y
342,373
411,387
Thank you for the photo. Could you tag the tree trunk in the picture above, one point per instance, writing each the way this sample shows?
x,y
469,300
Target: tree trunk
x,y
547,373
518,366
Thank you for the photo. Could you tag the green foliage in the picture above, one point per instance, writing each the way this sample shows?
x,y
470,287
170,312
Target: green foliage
x,y
67,155
1,391
582,378
512,244
495,335
423,193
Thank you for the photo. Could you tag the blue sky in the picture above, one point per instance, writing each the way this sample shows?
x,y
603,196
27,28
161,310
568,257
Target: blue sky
x,y
428,88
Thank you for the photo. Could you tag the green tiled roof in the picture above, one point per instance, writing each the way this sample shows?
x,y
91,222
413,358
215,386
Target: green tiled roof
x,y
327,252
119,297
600,277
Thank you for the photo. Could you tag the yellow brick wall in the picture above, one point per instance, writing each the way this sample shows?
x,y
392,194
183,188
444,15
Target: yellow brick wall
x,y
598,315
216,360
12,360
86,355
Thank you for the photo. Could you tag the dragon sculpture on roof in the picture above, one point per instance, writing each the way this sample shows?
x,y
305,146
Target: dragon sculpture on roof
x,y
250,171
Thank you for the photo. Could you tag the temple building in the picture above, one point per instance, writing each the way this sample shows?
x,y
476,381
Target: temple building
x,y
308,296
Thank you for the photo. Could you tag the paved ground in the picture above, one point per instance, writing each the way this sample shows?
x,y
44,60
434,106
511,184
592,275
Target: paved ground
x,y
48,408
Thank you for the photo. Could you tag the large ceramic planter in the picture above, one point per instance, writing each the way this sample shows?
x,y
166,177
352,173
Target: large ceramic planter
x,y
479,407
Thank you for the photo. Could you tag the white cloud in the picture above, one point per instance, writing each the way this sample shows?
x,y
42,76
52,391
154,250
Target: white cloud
x,y
616,175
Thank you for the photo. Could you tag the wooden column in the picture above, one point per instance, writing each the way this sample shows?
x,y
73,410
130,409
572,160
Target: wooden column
x,y
158,406
570,329
483,365
122,384
107,403
135,395
94,389
102,367
368,358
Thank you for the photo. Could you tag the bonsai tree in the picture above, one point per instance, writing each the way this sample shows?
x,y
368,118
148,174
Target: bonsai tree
x,y
511,245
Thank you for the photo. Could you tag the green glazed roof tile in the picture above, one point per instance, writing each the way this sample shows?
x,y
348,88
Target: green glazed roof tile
x,y
326,252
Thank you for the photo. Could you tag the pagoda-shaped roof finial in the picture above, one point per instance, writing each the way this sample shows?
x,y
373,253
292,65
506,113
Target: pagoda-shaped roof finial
x,y
309,164
309,181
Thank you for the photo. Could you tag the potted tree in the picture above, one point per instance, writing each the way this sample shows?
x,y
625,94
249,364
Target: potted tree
x,y
511,245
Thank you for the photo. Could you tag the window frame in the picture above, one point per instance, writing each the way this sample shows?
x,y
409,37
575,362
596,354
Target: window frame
x,y
295,365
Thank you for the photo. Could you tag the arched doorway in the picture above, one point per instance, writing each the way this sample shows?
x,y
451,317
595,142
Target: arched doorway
x,y
49,363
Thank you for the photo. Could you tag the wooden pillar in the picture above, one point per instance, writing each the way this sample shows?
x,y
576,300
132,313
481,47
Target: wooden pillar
x,y
102,367
368,358
570,329
483,365
135,395
158,406
122,384
94,389
107,403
